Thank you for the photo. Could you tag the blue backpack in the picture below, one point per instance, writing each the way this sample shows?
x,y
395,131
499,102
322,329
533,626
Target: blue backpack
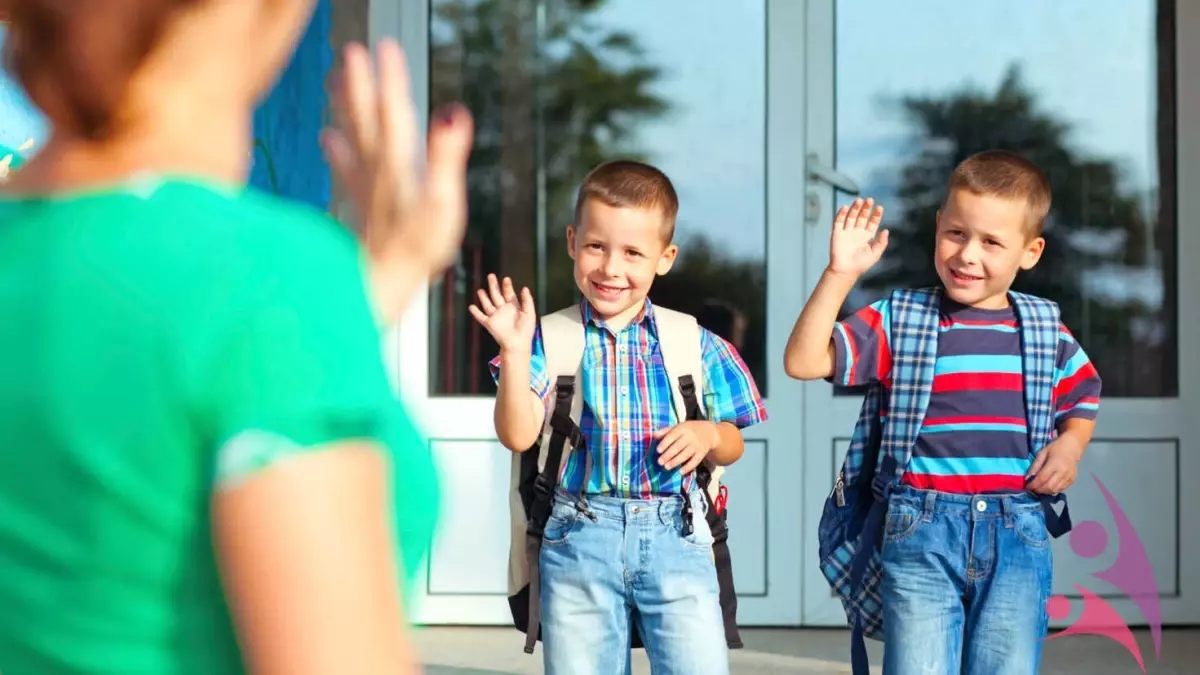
x,y
852,521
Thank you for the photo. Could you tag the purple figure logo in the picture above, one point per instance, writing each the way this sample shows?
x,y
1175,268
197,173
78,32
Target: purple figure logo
x,y
1131,572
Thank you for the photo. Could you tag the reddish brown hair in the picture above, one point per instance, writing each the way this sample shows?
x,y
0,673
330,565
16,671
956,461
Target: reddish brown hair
x,y
998,173
631,184
76,57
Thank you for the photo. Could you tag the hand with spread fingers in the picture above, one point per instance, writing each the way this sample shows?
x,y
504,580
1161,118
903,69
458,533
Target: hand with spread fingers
x,y
856,243
511,319
411,221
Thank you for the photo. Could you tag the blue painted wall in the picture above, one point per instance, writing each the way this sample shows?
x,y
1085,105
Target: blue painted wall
x,y
288,160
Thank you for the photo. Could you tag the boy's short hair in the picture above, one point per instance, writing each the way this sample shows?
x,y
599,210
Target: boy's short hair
x,y
999,173
631,184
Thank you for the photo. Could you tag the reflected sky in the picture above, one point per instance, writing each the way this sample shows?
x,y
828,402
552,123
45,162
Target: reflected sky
x,y
1091,64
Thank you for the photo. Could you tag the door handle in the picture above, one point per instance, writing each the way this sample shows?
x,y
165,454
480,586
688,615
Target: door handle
x,y
826,174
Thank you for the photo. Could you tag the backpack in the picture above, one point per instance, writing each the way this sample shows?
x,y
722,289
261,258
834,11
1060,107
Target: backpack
x,y
535,473
851,527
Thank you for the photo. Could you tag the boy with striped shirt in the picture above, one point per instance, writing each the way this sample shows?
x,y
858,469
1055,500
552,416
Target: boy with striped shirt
x,y
961,592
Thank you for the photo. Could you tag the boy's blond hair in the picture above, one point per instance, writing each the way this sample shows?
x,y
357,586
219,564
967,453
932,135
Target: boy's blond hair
x,y
999,173
631,184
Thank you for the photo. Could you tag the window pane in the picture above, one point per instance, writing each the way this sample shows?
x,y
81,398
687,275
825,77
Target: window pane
x,y
1083,89
559,86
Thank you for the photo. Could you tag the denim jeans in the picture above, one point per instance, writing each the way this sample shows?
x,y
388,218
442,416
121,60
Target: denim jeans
x,y
965,584
632,556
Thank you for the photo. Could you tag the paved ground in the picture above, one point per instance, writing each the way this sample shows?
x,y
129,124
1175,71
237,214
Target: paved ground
x,y
498,651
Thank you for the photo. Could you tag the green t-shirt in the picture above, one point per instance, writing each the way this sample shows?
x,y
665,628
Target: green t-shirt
x,y
157,339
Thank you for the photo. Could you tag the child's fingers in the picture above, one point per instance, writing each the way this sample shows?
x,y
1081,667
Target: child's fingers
x,y
494,290
672,456
875,219
852,214
479,316
527,301
839,218
864,214
692,463
509,293
486,303
879,244
1039,461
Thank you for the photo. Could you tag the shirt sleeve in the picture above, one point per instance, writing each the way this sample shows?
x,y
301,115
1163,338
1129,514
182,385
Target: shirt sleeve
x,y
539,381
1077,384
293,359
861,347
730,394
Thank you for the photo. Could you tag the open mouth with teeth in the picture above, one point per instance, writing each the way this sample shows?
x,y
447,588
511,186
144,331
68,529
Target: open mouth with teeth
x,y
608,292
963,277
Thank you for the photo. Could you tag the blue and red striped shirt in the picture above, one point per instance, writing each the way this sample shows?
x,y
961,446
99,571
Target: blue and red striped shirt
x,y
627,397
974,437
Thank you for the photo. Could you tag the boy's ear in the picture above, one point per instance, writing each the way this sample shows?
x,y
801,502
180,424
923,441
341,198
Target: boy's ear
x,y
1033,253
571,241
667,259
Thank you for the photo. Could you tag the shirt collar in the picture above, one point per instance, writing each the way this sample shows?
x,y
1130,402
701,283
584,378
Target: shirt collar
x,y
646,315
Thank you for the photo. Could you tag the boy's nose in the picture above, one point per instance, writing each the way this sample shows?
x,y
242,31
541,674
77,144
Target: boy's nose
x,y
969,253
612,266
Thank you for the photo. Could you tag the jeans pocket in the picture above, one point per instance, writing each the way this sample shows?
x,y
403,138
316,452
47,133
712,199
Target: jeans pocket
x,y
1030,527
563,520
901,522
701,538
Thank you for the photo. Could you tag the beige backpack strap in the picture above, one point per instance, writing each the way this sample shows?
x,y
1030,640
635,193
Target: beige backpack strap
x,y
682,353
562,342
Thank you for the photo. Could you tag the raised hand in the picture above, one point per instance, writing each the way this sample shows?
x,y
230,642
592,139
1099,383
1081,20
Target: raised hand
x,y
854,246
510,320
411,221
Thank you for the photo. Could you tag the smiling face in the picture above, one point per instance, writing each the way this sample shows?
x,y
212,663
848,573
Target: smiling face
x,y
982,242
617,252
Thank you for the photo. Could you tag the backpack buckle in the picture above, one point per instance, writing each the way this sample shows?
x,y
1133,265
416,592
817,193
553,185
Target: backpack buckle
x,y
542,487
689,528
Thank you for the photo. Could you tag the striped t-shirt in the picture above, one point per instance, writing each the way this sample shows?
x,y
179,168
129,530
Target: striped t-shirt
x,y
974,437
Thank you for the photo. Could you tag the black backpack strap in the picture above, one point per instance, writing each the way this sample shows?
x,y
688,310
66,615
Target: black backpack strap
x,y
563,430
716,522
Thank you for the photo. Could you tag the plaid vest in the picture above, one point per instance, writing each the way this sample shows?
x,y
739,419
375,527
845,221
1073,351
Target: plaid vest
x,y
851,523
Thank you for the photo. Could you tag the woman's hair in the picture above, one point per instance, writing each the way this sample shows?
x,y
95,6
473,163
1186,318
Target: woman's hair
x,y
77,57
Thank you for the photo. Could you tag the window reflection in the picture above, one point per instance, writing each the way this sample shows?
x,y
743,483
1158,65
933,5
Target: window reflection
x,y
1087,93
559,86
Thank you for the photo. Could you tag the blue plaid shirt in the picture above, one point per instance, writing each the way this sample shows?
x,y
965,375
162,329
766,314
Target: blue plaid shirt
x,y
627,397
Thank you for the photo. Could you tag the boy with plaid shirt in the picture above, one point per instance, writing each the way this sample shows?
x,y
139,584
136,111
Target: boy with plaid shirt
x,y
623,546
966,561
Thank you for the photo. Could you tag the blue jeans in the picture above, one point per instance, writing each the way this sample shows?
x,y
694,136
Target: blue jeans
x,y
632,556
965,584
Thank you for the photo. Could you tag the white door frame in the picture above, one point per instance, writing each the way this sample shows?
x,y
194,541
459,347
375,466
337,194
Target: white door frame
x,y
1168,427
458,425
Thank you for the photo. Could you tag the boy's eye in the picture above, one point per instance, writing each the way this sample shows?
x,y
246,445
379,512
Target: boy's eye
x,y
991,242
633,254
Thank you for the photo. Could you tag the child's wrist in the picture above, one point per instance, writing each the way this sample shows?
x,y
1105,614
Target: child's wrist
x,y
509,354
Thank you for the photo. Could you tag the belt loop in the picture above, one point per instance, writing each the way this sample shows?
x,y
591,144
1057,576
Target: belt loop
x,y
1006,507
930,505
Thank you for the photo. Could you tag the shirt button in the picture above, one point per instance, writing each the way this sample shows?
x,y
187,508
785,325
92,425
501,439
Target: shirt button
x,y
624,391
625,435
625,481
981,506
